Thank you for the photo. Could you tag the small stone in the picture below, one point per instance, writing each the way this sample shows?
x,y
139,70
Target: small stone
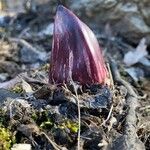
x,y
31,56
48,31
3,76
4,94
21,147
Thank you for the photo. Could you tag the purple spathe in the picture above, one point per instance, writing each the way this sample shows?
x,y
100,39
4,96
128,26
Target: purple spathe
x,y
76,54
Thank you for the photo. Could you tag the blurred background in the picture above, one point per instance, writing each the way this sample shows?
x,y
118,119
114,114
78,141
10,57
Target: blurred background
x,y
128,18
26,29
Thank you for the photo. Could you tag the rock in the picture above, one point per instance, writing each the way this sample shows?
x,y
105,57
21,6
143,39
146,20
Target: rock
x,y
48,31
4,94
4,20
9,67
125,143
136,73
130,19
21,146
31,56
3,76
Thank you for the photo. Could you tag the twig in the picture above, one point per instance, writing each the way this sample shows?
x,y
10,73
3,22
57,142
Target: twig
x,y
108,117
118,78
11,83
79,114
10,108
131,140
23,32
110,75
56,147
22,42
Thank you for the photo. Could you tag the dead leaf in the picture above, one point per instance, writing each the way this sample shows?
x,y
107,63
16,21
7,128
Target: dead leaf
x,y
136,73
26,87
134,57
145,61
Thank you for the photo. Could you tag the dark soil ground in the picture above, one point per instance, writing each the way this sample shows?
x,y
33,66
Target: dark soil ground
x,y
47,116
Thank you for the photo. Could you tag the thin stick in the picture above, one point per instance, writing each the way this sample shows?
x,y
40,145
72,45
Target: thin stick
x,y
24,43
56,147
109,115
79,115
111,77
110,112
79,121
10,108
118,78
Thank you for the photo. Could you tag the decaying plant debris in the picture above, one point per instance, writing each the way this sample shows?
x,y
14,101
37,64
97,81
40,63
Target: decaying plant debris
x,y
46,116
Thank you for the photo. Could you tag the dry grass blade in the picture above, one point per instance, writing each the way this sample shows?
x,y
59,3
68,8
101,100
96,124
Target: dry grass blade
x,y
108,117
79,119
79,113
26,87
55,146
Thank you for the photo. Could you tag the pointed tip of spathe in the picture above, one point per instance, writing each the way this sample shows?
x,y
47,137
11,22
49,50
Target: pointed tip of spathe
x,y
61,10
60,7
64,10
65,16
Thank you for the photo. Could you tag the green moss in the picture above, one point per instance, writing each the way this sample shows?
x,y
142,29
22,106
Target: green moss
x,y
6,139
46,124
17,89
34,116
45,67
72,126
42,119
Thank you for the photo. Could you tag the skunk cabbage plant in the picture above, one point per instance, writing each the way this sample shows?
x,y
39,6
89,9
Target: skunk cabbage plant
x,y
76,54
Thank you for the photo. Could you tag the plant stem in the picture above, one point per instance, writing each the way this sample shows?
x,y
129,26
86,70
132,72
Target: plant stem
x,y
79,114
